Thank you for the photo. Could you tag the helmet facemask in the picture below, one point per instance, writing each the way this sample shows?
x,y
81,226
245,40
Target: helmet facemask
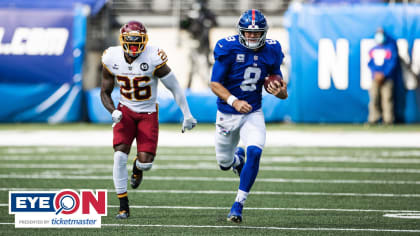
x,y
251,42
133,42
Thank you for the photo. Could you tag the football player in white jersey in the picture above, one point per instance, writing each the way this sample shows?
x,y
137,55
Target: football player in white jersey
x,y
137,67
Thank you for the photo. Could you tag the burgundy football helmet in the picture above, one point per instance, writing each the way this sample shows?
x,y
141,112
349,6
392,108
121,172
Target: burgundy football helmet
x,y
133,38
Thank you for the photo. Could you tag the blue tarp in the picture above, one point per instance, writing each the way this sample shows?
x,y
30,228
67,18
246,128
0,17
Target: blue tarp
x,y
41,58
95,5
308,25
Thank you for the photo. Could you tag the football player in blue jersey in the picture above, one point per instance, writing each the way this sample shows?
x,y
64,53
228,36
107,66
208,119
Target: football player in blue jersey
x,y
242,62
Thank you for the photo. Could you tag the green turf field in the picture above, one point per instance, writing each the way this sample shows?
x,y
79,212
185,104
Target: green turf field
x,y
210,126
299,191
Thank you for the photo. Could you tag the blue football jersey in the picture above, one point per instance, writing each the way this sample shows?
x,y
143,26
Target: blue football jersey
x,y
242,71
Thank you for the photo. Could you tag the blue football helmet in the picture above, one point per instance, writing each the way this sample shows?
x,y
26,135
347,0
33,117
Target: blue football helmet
x,y
252,21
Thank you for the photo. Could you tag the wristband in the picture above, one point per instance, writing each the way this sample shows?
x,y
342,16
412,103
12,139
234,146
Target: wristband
x,y
231,99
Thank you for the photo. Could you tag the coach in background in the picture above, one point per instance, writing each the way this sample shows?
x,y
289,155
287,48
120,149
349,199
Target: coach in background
x,y
384,64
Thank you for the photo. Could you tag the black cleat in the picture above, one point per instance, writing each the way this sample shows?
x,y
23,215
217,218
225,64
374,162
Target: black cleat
x,y
137,176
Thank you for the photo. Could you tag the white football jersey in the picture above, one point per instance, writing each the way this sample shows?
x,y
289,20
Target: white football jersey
x,y
138,84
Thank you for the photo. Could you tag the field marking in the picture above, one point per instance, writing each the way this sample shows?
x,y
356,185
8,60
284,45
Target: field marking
x,y
258,209
404,215
175,191
205,179
207,166
209,151
341,159
254,227
265,228
206,138
268,209
265,159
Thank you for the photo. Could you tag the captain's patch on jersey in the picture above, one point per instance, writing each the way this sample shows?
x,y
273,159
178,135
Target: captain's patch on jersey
x,y
240,57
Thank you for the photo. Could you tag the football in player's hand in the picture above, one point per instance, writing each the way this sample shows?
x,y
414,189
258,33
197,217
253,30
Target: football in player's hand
x,y
271,78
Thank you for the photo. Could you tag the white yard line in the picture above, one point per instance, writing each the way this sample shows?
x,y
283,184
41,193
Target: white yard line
x,y
265,159
217,192
255,227
404,215
209,151
206,138
205,179
213,166
266,228
258,209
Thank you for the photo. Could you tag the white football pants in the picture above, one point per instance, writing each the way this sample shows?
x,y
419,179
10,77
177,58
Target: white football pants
x,y
230,128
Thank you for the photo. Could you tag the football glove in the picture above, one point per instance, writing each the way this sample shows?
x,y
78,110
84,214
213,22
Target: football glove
x,y
188,124
116,116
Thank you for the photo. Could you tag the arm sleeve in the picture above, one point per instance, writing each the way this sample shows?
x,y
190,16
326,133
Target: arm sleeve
x,y
172,84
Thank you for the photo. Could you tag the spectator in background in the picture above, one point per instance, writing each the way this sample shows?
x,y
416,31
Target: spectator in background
x,y
198,23
383,64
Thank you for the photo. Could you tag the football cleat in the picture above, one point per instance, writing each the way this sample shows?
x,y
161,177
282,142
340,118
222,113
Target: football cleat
x,y
240,153
235,214
124,214
137,176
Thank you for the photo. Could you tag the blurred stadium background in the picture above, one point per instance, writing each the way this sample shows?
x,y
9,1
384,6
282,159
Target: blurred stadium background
x,y
51,51
317,177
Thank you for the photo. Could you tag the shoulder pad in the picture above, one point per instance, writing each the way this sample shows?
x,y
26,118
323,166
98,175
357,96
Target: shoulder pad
x,y
107,55
158,56
223,46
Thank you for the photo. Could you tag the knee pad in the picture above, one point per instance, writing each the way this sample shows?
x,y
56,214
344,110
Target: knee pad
x,y
224,163
144,166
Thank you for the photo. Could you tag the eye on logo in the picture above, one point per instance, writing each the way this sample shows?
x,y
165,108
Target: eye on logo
x,y
67,202
57,209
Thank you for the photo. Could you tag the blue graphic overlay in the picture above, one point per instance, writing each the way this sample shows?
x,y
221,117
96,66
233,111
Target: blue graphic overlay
x,y
31,202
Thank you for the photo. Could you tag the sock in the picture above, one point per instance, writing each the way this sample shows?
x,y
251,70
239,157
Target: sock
x,y
123,202
250,170
241,196
119,173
